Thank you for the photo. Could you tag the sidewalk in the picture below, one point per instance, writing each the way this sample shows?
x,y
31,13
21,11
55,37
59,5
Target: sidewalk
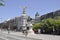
x,y
36,36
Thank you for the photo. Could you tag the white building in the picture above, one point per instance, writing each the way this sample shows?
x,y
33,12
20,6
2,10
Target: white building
x,y
22,21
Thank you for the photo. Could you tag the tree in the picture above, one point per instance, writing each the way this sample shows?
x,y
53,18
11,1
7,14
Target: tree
x,y
45,25
1,3
57,26
35,27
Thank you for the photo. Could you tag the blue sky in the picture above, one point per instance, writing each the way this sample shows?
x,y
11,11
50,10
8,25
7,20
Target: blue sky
x,y
14,8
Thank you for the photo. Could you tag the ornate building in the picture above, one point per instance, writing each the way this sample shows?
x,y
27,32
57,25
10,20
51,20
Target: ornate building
x,y
22,21
37,17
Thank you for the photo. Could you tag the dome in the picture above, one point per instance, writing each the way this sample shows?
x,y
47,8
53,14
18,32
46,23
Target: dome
x,y
37,14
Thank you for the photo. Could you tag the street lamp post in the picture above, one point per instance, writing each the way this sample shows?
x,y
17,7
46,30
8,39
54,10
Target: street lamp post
x,y
9,29
1,24
53,30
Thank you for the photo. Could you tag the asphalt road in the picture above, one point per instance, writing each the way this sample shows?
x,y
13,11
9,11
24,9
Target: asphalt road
x,y
4,36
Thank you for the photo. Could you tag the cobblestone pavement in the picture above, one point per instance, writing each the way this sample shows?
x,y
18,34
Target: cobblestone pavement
x,y
4,36
30,36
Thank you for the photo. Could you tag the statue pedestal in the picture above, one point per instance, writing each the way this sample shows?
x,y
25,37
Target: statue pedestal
x,y
31,31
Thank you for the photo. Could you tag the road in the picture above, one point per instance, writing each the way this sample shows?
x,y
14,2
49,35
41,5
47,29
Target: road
x,y
4,36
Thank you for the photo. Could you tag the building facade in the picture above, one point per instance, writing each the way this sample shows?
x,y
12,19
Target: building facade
x,y
22,20
37,17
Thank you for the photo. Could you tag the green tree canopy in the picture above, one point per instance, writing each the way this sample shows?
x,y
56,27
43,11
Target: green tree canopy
x,y
36,26
1,3
48,24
